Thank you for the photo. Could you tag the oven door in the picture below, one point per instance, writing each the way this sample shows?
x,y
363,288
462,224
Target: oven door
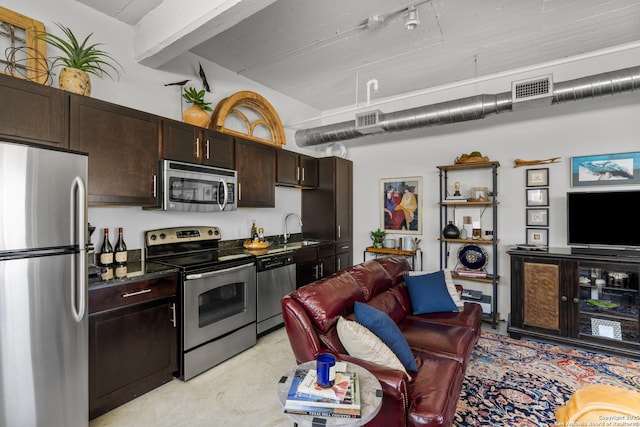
x,y
217,303
195,188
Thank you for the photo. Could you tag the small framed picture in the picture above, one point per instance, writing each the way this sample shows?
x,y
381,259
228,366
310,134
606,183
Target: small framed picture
x,y
606,328
538,236
537,197
538,217
538,177
479,194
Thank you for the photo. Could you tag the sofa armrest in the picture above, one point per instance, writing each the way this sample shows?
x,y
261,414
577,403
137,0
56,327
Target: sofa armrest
x,y
393,381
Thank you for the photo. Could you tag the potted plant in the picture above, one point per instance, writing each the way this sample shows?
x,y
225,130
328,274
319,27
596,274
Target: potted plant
x,y
378,238
197,113
79,59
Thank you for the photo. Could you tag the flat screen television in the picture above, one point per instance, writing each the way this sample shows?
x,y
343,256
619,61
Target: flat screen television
x,y
603,219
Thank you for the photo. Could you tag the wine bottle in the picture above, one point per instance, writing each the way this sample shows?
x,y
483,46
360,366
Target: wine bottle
x,y
254,231
120,256
106,256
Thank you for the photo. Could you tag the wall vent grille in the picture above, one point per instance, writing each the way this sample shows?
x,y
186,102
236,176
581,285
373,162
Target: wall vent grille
x,y
526,90
368,122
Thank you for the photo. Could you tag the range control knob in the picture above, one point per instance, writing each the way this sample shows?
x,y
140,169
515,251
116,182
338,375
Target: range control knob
x,y
153,237
210,232
163,236
216,231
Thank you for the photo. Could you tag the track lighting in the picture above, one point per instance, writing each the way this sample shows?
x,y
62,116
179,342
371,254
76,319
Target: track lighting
x,y
411,18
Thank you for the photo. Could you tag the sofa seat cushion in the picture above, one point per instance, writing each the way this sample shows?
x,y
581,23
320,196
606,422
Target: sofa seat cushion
x,y
470,317
435,391
454,342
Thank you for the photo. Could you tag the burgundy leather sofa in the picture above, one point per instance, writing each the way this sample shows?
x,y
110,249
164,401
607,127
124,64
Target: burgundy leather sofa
x,y
440,342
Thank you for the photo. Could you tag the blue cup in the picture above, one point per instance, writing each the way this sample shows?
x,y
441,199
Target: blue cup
x,y
326,369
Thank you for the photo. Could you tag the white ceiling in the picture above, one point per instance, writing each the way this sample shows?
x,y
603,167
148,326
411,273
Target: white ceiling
x,y
317,50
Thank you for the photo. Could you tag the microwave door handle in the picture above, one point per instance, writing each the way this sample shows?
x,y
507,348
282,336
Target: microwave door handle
x,y
226,194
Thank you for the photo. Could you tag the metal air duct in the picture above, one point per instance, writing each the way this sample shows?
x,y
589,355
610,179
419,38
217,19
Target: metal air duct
x,y
472,108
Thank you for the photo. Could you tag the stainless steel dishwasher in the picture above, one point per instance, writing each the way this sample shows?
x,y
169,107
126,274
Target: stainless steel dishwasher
x,y
276,277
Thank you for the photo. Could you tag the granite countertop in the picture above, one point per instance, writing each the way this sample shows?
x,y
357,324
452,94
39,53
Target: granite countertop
x,y
137,270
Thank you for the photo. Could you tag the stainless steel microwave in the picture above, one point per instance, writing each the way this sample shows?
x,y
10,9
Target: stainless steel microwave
x,y
189,187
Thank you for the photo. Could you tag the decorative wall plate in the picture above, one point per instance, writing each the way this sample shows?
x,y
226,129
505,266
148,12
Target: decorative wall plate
x,y
472,256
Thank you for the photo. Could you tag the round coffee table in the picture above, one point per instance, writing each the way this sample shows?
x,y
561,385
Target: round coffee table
x,y
370,396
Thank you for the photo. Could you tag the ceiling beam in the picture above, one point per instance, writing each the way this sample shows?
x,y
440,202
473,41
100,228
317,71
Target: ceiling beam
x,y
176,26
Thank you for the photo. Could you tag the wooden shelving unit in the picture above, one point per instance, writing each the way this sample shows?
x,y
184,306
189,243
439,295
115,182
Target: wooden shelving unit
x,y
492,277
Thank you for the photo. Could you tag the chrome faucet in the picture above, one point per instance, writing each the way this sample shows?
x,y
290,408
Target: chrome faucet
x,y
285,234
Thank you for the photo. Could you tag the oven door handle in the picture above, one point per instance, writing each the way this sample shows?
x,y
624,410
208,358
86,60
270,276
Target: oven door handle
x,y
213,273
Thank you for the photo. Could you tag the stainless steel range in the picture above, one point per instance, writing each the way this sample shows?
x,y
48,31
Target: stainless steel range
x,y
217,295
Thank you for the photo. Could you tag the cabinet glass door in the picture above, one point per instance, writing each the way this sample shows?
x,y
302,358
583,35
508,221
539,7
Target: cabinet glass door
x,y
609,301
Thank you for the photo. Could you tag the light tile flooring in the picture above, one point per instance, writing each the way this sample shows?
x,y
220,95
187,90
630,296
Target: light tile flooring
x,y
241,391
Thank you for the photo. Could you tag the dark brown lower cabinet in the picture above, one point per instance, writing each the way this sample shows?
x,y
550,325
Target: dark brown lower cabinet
x,y
132,341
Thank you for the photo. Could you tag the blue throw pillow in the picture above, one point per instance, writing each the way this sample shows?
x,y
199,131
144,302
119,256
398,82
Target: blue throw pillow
x,y
386,329
429,294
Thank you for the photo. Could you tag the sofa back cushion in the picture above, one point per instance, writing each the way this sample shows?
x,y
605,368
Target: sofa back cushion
x,y
325,300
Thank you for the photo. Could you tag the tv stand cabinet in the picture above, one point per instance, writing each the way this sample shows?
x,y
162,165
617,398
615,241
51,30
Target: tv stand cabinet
x,y
589,301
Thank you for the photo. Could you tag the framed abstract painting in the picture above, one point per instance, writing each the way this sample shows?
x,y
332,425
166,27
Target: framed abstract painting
x,y
401,205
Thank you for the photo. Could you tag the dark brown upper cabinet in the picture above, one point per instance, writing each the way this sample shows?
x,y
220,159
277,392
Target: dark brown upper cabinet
x,y
193,144
256,166
32,112
123,149
296,170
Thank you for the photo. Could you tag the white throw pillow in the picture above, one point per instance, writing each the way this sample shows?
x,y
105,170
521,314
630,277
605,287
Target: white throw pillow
x,y
363,344
451,287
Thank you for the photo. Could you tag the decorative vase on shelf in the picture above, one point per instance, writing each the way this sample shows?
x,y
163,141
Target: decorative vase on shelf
x,y
450,231
74,80
196,116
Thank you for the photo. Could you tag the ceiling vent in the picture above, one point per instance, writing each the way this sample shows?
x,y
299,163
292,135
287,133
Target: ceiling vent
x,y
532,92
369,122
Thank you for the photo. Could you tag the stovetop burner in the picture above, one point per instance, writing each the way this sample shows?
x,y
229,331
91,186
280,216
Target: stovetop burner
x,y
190,248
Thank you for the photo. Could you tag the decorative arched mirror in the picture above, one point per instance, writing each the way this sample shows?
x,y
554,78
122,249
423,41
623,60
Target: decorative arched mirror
x,y
248,115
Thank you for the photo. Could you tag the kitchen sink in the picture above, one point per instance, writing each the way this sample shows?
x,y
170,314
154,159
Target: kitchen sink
x,y
293,246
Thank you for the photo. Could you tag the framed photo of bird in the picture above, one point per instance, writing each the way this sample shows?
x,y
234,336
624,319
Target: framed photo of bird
x,y
605,169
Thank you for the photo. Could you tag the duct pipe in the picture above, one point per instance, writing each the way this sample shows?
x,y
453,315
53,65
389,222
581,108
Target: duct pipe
x,y
473,108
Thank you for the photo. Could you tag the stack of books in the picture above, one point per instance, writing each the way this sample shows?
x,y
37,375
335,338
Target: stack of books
x,y
306,397
471,273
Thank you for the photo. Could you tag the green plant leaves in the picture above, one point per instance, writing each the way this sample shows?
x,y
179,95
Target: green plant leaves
x,y
83,56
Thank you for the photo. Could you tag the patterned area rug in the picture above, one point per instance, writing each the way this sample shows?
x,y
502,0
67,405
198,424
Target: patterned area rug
x,y
513,382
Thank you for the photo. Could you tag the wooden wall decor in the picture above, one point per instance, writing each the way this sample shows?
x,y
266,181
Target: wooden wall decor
x,y
22,55
233,105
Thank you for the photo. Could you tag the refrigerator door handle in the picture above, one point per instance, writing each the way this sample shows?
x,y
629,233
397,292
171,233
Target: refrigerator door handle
x,y
79,279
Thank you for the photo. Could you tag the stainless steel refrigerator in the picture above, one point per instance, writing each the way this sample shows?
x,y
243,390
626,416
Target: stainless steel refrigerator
x,y
43,288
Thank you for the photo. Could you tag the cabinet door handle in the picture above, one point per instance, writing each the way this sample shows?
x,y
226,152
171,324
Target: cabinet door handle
x,y
315,272
339,232
239,191
297,173
133,294
339,264
208,150
197,147
302,174
173,314
564,298
576,300
321,269
155,184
